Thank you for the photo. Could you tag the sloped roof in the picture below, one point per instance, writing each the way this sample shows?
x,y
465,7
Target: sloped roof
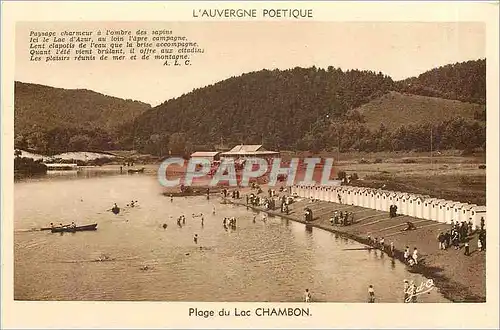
x,y
246,148
469,206
205,154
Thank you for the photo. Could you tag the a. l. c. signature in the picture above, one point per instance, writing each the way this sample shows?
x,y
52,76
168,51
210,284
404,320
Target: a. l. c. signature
x,y
413,290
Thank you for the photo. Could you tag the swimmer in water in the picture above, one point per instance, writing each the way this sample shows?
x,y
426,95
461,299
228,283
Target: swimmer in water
x,y
213,210
195,238
202,220
255,216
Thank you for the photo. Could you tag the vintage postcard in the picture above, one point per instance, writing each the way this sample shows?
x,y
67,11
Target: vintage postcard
x,y
243,164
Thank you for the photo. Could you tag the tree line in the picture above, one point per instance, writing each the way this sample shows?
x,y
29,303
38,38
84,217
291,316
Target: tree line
x,y
305,109
464,81
51,141
299,108
457,133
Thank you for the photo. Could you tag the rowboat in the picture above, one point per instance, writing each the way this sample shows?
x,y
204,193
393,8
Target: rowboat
x,y
74,229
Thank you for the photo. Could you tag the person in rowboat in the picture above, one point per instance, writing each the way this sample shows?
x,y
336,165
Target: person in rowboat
x,y
73,225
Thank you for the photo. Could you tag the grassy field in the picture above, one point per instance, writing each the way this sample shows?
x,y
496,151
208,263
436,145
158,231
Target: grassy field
x,y
446,174
449,177
395,109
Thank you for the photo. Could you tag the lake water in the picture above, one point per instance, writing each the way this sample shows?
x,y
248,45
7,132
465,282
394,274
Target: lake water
x,y
273,261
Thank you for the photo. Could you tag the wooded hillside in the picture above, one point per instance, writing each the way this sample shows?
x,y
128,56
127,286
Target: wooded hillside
x,y
53,120
296,109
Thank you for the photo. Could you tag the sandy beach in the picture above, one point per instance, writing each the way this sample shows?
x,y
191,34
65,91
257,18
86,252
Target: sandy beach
x,y
460,278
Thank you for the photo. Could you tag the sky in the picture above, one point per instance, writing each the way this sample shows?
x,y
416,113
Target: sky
x,y
397,49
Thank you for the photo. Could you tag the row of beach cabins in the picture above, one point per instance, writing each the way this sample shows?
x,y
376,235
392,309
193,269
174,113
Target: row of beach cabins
x,y
413,205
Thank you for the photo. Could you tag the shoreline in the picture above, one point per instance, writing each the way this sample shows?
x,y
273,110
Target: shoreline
x,y
448,287
214,192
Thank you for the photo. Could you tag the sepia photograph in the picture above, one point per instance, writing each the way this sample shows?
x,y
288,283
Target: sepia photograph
x,y
406,130
269,158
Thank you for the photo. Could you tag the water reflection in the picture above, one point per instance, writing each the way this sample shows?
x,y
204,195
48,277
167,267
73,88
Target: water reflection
x,y
85,172
272,260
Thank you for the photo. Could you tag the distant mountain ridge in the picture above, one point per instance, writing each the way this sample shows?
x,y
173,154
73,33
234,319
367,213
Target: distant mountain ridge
x,y
308,108
54,119
299,108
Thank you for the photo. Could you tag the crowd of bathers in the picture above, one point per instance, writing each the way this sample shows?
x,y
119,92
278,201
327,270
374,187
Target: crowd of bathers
x,y
461,233
342,218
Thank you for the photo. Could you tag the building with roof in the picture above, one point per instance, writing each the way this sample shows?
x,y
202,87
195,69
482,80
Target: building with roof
x,y
415,205
467,211
210,155
249,150
478,213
